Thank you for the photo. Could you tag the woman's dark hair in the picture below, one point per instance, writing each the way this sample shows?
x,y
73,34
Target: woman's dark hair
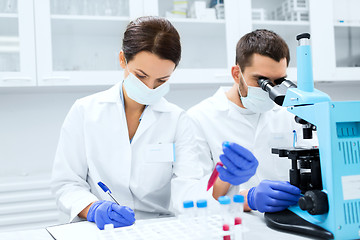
x,y
153,34
263,42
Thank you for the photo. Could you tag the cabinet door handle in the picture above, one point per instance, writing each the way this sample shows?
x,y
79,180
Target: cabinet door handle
x,y
16,79
56,79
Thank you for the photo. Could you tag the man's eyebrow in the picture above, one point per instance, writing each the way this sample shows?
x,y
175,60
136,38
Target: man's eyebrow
x,y
259,76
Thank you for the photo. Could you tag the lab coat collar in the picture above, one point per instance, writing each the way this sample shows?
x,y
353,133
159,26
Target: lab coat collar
x,y
222,103
112,95
150,117
162,106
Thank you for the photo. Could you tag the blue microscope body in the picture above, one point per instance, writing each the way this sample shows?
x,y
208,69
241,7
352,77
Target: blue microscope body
x,y
338,131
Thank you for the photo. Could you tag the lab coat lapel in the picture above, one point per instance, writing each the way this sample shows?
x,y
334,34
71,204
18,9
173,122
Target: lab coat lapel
x,y
264,119
124,139
147,120
110,98
150,116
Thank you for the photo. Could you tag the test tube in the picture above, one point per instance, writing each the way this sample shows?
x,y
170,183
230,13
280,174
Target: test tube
x,y
202,208
188,213
226,216
238,206
238,210
188,208
226,229
225,209
238,229
202,218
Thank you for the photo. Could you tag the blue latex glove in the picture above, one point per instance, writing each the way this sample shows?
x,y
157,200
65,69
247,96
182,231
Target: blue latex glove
x,y
273,196
106,212
240,164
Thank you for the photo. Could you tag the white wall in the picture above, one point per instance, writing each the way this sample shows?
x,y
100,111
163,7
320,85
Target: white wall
x,y
30,119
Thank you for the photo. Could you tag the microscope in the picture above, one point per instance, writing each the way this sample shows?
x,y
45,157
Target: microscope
x,y
328,175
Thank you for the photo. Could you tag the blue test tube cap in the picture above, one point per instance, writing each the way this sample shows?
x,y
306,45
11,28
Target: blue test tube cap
x,y
224,200
188,204
201,203
238,198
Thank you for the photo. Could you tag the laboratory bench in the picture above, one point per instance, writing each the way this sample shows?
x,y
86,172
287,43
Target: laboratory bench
x,y
254,223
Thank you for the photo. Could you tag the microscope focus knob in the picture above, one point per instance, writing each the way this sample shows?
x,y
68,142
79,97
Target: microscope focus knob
x,y
315,202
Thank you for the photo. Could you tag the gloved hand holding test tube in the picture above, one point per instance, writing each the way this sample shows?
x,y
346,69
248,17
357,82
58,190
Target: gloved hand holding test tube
x,y
237,165
105,212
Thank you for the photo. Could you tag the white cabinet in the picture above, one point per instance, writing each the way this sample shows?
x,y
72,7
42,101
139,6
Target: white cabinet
x,y
78,41
17,43
346,24
289,18
205,35
335,41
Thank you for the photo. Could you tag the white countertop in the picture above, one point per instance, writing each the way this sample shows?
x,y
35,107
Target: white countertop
x,y
253,221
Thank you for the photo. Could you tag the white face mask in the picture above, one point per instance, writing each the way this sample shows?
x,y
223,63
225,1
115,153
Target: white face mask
x,y
139,92
257,100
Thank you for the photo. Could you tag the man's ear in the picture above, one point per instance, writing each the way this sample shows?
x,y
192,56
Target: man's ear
x,y
122,60
235,73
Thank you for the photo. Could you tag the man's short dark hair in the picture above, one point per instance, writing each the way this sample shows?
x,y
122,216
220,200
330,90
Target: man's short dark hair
x,y
263,42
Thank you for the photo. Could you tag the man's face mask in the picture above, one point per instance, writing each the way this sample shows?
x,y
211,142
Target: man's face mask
x,y
257,100
139,92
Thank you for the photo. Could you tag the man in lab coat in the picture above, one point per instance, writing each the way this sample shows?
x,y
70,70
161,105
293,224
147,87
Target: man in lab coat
x,y
245,114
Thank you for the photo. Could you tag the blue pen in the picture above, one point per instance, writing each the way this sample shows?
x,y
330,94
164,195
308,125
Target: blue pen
x,y
107,190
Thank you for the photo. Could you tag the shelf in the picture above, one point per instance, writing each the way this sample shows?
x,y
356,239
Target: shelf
x,y
196,21
198,27
8,15
282,23
9,49
88,17
89,25
9,44
180,76
339,24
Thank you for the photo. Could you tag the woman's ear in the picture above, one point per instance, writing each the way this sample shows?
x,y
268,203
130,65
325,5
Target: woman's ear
x,y
122,60
235,73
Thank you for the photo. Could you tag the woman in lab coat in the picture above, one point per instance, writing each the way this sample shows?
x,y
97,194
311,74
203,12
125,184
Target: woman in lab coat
x,y
130,138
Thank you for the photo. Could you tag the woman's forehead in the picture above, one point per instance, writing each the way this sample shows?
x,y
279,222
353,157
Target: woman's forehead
x,y
152,64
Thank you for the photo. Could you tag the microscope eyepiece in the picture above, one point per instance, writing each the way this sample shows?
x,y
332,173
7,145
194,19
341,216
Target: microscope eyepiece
x,y
263,83
279,81
303,35
276,92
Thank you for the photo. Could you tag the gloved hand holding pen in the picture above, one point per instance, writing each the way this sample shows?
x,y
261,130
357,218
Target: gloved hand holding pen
x,y
106,212
272,196
240,164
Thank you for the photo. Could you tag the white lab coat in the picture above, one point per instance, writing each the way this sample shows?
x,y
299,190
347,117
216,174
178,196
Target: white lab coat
x,y
218,120
94,146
